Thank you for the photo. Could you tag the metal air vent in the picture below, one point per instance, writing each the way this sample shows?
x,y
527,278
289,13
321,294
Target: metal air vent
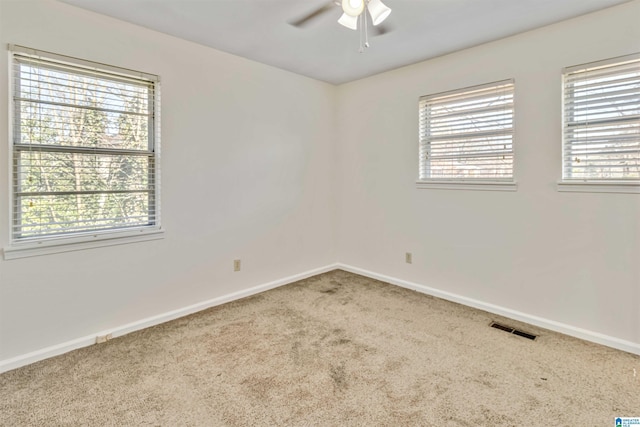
x,y
513,331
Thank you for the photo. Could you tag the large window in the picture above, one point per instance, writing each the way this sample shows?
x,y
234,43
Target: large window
x,y
602,122
467,135
84,147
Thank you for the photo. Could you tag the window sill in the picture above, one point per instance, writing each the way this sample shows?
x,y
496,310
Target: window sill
x,y
599,187
468,185
78,243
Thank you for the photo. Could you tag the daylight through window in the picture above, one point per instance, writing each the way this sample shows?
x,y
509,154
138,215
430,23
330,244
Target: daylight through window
x,y
602,121
84,147
467,134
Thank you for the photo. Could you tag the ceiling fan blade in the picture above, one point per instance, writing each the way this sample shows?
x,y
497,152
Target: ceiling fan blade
x,y
319,11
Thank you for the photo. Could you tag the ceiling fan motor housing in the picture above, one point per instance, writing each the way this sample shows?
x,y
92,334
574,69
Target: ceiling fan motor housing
x,y
353,7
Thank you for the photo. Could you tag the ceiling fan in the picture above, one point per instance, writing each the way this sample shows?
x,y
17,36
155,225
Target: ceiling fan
x,y
354,17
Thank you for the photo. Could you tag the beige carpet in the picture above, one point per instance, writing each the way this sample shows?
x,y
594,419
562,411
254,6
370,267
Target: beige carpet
x,y
337,350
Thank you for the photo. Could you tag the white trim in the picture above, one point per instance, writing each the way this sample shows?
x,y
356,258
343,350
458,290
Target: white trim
x,y
468,185
56,243
589,73
473,88
599,64
599,187
552,325
426,142
55,350
89,241
9,160
79,62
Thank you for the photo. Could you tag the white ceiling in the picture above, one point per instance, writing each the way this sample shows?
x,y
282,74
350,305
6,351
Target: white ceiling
x,y
322,49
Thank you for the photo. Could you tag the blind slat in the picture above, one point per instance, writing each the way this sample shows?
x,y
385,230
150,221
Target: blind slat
x,y
468,135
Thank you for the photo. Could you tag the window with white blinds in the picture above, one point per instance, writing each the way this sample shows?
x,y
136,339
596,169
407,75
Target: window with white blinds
x,y
602,121
84,147
467,134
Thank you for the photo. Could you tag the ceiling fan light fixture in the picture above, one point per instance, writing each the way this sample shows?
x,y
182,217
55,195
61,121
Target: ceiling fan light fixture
x,y
353,7
348,21
378,11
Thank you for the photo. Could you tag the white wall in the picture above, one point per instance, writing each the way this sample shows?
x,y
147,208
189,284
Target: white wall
x,y
257,166
566,257
245,154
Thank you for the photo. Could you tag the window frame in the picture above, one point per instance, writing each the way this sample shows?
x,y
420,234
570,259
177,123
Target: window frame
x,y
604,185
490,184
84,239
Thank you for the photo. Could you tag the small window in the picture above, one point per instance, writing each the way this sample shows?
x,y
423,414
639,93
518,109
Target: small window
x,y
467,135
601,122
84,147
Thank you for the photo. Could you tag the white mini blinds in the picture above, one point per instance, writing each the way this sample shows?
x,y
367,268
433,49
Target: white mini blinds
x,y
602,121
84,146
467,134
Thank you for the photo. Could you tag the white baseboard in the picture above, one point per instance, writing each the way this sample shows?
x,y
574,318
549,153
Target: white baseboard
x,y
562,328
55,350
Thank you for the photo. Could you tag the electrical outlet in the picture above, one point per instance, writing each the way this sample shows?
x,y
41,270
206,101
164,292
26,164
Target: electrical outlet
x,y
103,338
408,258
236,265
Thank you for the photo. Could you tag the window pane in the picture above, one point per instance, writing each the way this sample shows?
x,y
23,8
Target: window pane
x,y
59,108
468,134
602,122
83,149
56,214
65,172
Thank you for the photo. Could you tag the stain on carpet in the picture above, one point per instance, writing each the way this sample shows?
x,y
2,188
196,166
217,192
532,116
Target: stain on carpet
x,y
339,376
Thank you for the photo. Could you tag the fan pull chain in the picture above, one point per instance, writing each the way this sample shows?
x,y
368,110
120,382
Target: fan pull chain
x,y
364,33
360,27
